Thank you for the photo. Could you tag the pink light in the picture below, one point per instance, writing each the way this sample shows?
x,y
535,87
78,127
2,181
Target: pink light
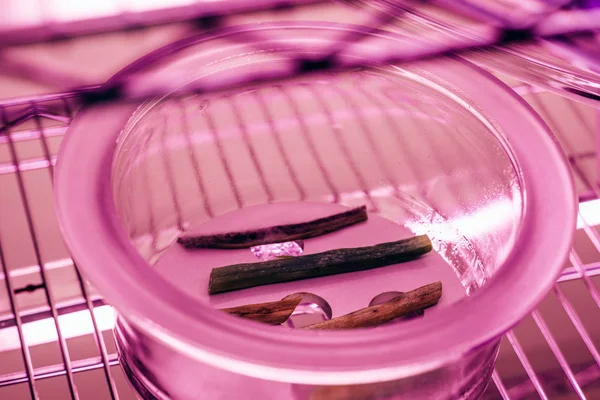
x,y
146,5
589,212
74,324
72,10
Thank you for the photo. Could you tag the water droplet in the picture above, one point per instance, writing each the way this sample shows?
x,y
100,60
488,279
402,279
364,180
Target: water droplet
x,y
311,310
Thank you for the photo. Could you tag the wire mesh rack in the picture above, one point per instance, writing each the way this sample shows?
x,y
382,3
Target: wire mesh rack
x,y
55,330
46,305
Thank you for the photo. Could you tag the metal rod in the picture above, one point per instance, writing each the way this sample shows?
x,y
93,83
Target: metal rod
x,y
122,19
251,150
18,322
577,323
47,97
187,130
581,155
274,131
399,139
419,50
375,21
403,148
572,273
512,339
167,163
53,371
597,134
551,120
557,381
96,332
562,361
500,385
223,157
30,134
32,269
341,143
39,73
39,315
99,338
29,217
148,195
310,143
347,97
578,265
29,165
580,117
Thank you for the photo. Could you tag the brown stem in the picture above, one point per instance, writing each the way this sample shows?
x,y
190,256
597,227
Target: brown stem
x,y
276,234
273,313
241,276
425,296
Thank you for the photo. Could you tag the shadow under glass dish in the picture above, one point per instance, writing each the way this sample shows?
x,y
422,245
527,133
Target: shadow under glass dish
x,y
424,156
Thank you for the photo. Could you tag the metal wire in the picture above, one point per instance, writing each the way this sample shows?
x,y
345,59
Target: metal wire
x,y
325,109
59,370
557,353
68,367
84,291
122,16
501,388
193,159
223,158
17,317
264,109
26,204
311,145
535,380
585,335
171,177
585,274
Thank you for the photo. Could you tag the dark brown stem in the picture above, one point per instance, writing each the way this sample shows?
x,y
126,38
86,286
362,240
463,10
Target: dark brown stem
x,y
392,296
273,313
425,296
276,234
241,276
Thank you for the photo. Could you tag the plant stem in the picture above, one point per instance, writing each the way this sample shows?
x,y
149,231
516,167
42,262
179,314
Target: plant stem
x,y
273,313
276,234
425,296
339,261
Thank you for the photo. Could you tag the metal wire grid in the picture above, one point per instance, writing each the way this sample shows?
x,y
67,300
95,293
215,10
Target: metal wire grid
x,y
33,115
35,111
560,21
41,20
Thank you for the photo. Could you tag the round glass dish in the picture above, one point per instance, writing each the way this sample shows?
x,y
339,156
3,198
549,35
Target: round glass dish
x,y
437,147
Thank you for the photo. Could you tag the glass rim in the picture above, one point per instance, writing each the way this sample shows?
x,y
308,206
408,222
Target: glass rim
x,y
102,249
